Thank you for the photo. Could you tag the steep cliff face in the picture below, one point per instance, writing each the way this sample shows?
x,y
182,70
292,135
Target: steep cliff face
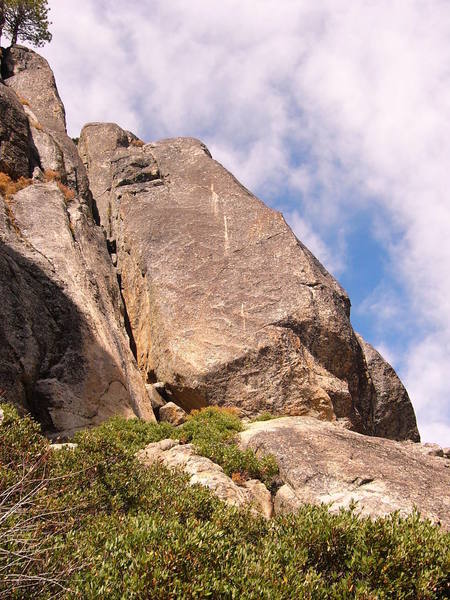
x,y
64,353
225,305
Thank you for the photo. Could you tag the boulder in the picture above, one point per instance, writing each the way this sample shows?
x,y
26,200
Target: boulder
x,y
156,400
260,497
14,136
2,416
324,463
225,305
173,414
202,471
64,354
31,78
431,449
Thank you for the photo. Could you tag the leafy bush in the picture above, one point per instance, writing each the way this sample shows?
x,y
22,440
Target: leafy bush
x,y
101,526
130,434
213,432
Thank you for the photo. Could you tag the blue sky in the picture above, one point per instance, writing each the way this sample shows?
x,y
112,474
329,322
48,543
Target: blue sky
x,y
336,113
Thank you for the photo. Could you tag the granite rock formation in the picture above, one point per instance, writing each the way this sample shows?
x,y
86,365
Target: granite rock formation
x,y
31,78
225,305
324,463
204,284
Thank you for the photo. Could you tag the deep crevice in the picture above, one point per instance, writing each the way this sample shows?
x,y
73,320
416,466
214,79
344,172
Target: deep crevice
x,y
4,70
126,318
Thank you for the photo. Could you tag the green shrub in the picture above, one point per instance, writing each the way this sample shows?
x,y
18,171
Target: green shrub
x,y
213,433
101,526
265,416
129,434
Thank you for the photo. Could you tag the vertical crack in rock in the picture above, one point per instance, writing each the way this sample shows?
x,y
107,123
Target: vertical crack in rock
x,y
126,318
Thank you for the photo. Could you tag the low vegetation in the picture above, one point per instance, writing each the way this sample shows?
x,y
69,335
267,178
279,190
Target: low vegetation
x,y
90,522
50,175
265,416
9,186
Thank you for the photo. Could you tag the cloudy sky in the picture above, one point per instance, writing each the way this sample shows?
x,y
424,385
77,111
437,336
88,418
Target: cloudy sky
x,y
335,112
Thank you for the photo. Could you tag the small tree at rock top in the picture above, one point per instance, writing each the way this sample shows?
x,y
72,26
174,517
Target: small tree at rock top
x,y
25,20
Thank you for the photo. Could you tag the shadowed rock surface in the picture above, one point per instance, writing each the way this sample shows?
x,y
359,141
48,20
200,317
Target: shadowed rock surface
x,y
14,135
63,353
393,414
226,306
323,463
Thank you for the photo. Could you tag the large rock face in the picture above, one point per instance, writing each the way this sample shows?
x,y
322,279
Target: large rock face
x,y
225,305
323,463
64,353
222,303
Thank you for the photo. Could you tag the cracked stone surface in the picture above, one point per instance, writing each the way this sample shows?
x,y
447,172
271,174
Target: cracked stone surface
x,y
225,305
324,463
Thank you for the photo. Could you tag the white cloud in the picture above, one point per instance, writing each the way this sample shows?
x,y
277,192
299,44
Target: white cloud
x,y
340,103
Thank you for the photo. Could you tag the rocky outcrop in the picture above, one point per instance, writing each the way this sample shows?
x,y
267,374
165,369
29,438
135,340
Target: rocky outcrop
x,y
324,463
202,471
225,305
393,414
64,352
222,303
31,78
